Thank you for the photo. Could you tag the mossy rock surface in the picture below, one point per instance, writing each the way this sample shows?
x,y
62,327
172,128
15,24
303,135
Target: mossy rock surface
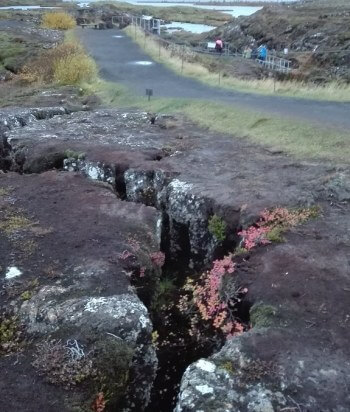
x,y
262,315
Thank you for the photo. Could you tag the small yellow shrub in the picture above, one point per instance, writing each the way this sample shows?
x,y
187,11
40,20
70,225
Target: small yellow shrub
x,y
74,69
67,63
58,20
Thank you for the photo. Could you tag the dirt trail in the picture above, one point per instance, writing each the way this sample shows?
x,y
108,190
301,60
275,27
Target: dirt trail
x,y
117,56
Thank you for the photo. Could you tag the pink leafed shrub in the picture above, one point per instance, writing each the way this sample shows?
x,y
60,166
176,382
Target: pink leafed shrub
x,y
158,258
142,272
254,236
125,255
208,302
279,220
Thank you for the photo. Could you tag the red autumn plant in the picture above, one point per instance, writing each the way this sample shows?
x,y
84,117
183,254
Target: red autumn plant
x,y
279,219
208,301
99,404
158,258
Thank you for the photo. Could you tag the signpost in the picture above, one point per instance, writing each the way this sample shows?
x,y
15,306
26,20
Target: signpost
x,y
149,93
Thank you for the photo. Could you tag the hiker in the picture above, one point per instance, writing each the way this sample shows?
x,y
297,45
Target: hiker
x,y
247,52
219,45
262,52
255,53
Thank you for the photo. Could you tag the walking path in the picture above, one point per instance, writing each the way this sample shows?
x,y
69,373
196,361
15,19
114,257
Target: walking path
x,y
122,61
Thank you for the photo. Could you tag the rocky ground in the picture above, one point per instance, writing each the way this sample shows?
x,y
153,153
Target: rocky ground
x,y
88,197
105,212
312,30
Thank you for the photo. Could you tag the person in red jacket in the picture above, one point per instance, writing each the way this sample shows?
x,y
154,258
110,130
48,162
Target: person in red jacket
x,y
219,45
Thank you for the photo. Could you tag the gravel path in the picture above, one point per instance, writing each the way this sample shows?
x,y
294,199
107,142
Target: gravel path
x,y
121,60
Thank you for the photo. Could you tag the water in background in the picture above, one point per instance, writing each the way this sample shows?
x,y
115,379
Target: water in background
x,y
191,27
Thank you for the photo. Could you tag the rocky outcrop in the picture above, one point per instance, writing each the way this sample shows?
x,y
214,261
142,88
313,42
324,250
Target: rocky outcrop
x,y
295,355
67,255
312,31
129,189
240,378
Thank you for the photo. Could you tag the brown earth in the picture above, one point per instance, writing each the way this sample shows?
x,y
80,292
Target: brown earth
x,y
187,174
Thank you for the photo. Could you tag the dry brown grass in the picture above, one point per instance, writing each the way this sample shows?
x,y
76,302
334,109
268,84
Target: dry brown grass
x,y
58,20
66,64
171,57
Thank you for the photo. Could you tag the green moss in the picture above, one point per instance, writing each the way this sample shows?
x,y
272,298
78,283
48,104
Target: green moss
x,y
11,336
240,251
314,211
3,192
71,154
112,362
26,295
228,366
217,227
262,315
275,234
163,294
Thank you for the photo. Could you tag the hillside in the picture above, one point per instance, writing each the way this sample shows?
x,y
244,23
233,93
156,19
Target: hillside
x,y
316,33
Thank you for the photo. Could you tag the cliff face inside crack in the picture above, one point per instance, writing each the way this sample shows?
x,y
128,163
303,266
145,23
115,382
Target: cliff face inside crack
x,y
129,189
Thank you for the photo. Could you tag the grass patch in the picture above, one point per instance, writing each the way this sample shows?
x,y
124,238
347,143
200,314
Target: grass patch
x,y
297,138
10,49
58,20
171,57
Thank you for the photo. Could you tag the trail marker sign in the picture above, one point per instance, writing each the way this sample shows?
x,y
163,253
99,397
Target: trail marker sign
x,y
149,93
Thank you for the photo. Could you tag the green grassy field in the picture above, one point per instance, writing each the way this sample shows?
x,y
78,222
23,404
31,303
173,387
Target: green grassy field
x,y
299,139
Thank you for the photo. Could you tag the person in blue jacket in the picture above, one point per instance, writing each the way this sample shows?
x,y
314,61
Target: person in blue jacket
x,y
262,52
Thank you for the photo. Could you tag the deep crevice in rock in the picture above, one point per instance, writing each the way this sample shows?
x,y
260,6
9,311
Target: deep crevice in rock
x,y
188,246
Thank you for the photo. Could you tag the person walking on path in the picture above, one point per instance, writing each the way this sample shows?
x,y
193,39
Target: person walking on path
x,y
262,52
219,45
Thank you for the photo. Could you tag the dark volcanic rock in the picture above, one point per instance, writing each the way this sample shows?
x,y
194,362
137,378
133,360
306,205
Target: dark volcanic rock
x,y
65,278
298,290
300,301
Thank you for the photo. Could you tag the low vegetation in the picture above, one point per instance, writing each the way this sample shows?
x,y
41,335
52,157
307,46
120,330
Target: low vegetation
x,y
58,21
194,67
178,13
11,334
301,139
273,223
217,227
67,64
10,49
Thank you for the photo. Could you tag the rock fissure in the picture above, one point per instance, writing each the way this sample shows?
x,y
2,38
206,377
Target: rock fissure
x,y
161,225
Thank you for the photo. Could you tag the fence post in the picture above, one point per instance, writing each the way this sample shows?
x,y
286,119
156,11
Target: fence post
x,y
159,48
182,59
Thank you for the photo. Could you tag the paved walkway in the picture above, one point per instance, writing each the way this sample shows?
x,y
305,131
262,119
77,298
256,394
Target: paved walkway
x,y
117,56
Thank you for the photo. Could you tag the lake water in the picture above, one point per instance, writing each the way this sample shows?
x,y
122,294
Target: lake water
x,y
193,28
234,11
26,7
